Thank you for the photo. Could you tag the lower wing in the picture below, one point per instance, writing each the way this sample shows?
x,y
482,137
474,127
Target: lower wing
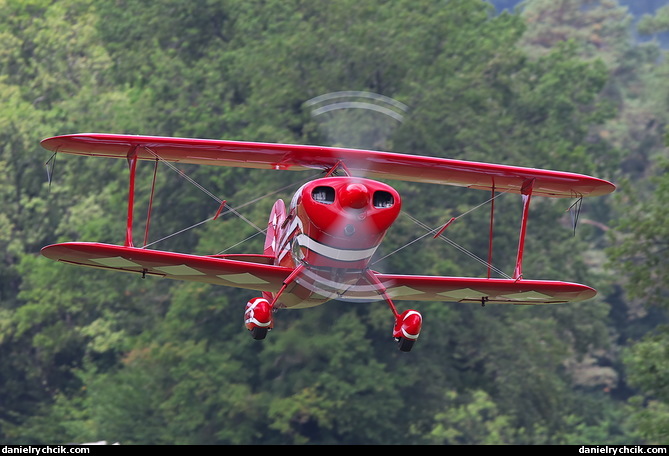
x,y
255,273
476,290
244,271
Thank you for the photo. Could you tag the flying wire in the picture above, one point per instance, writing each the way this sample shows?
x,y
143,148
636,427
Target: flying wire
x,y
447,240
240,242
261,231
50,172
213,196
460,248
203,189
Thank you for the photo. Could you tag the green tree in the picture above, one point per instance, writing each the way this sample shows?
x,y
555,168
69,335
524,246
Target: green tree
x,y
114,357
639,255
654,24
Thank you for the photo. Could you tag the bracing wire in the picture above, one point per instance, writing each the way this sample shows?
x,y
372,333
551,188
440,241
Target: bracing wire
x,y
447,240
234,211
203,189
217,199
429,230
575,211
462,249
239,243
178,232
51,168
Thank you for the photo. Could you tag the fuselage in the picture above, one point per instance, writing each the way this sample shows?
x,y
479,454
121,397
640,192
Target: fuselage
x,y
332,228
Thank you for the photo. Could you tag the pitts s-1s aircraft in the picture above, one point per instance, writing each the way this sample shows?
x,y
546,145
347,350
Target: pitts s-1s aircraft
x,y
319,247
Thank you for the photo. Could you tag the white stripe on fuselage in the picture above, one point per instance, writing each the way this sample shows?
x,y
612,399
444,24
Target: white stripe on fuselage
x,y
334,253
284,246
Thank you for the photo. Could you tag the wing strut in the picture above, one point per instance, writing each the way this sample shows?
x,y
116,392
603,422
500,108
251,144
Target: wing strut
x,y
492,216
371,278
526,193
290,279
148,213
339,164
132,164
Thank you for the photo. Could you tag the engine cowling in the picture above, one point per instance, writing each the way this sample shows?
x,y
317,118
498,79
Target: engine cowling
x,y
343,220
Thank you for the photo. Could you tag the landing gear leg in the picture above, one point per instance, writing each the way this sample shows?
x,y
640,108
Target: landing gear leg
x,y
407,324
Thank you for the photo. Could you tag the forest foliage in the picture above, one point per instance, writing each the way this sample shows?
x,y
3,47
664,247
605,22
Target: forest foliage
x,y
88,355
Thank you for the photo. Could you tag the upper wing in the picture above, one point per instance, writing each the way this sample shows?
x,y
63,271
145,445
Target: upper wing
x,y
373,164
253,275
471,289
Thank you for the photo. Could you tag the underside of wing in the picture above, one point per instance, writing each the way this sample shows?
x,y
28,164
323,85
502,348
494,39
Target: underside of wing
x,y
475,290
253,272
245,271
373,164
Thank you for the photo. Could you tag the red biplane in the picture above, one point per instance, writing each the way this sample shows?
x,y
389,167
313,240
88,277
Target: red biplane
x,y
319,247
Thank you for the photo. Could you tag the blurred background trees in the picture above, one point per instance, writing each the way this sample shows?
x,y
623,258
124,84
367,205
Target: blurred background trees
x,y
89,355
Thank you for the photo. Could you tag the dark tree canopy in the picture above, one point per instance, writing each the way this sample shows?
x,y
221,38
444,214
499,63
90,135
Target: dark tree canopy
x,y
89,355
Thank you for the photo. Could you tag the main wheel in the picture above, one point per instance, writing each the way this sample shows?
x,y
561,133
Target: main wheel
x,y
258,317
407,329
259,333
405,344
